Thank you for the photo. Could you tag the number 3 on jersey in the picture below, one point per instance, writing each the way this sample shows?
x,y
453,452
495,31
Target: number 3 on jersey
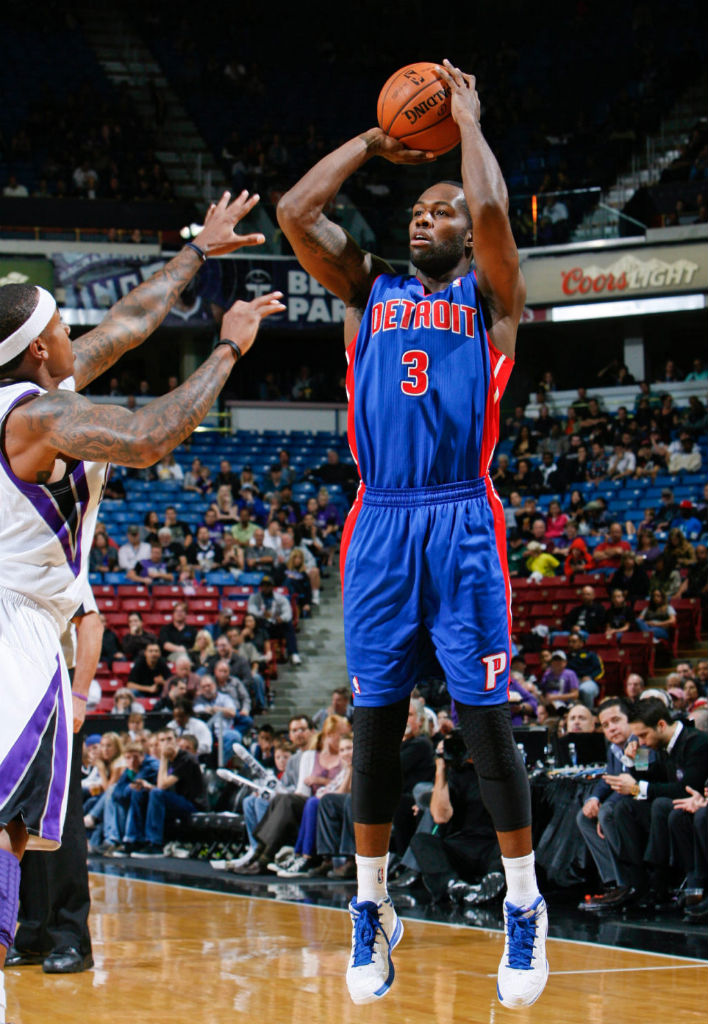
x,y
417,381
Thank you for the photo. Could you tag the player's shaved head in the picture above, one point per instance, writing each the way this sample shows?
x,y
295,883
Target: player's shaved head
x,y
448,191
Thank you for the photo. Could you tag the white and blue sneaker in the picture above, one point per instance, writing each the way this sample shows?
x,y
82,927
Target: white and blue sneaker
x,y
523,971
376,931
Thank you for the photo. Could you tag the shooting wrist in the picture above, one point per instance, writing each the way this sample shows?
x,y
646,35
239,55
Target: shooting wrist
x,y
80,696
201,253
234,346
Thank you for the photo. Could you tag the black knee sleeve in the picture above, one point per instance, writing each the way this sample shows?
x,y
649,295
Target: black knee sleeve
x,y
503,781
376,764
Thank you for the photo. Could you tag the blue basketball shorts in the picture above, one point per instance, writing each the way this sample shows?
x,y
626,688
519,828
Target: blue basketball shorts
x,y
420,565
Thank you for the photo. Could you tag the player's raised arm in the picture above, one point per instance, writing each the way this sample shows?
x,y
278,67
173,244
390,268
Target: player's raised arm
x,y
63,423
495,254
134,318
323,248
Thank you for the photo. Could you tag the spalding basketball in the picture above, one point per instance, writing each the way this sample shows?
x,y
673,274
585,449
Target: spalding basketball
x,y
414,107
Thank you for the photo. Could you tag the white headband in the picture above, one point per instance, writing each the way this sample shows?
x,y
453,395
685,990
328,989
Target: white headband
x,y
32,327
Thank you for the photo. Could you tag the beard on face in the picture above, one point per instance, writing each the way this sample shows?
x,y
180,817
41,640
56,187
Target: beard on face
x,y
440,257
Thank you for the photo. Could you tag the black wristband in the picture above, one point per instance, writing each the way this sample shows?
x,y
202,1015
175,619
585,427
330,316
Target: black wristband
x,y
200,252
231,344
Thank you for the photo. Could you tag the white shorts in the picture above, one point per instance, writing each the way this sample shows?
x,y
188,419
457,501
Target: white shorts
x,y
35,721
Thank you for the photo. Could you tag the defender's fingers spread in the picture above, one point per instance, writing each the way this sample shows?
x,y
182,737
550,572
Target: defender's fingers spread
x,y
251,239
225,199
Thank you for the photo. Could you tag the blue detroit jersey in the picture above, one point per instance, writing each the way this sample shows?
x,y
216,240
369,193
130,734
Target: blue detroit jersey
x,y
424,385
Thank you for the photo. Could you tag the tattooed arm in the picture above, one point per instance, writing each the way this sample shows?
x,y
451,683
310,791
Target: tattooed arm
x,y
323,248
134,318
60,424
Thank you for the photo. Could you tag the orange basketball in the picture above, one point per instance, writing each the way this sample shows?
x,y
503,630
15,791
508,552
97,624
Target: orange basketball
x,y
414,107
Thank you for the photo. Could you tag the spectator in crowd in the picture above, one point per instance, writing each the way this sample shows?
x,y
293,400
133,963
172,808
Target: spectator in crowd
x,y
184,723
227,478
596,817
176,637
169,469
203,649
238,693
149,673
153,569
696,582
139,765
540,563
102,557
244,530
556,522
559,684
333,471
298,582
641,824
176,688
274,612
124,703
182,671
658,617
588,616
679,550
687,520
633,688
172,550
178,792
110,644
262,749
579,718
619,617
587,666
340,705
239,665
219,711
259,557
137,638
608,553
630,578
577,557
686,458
665,575
133,551
622,463
203,551
193,476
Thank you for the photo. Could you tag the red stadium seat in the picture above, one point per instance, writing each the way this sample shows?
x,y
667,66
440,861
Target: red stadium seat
x,y
133,590
108,604
139,603
103,590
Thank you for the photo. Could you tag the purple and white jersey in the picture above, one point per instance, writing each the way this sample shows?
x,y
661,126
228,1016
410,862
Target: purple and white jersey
x,y
46,531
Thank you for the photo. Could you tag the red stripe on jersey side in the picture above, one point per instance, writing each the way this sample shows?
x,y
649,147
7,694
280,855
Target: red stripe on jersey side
x,y
500,367
351,519
500,538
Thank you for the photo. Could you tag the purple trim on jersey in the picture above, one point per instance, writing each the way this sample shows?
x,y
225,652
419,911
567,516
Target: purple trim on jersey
x,y
52,814
68,533
25,747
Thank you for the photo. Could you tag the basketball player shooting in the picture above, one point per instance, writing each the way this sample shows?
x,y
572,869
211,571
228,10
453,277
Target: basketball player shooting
x,y
55,447
423,549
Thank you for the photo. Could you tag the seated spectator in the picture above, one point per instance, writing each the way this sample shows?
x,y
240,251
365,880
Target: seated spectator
x,y
502,477
340,705
597,517
227,512
182,671
172,549
239,665
696,416
202,649
631,578
559,684
176,688
523,479
579,718
668,509
244,530
259,557
263,749
333,471
102,557
577,557
641,823
687,457
608,553
573,469
665,575
178,792
658,617
576,504
525,443
106,766
253,640
596,817
687,521
125,704
192,477
546,477
540,563
239,694
588,616
139,765
678,549
696,582
556,521
298,583
169,469
227,478
619,617
203,551
274,612
622,463
523,702
328,516
136,639
648,548
176,637
184,723
153,569
232,557
597,463
248,498
110,644
587,666
149,674
219,711
133,551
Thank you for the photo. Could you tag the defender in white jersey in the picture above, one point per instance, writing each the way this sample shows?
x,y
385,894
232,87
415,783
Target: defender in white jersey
x,y
55,447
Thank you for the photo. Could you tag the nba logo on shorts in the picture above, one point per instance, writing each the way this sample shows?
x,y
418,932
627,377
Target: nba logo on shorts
x,y
355,685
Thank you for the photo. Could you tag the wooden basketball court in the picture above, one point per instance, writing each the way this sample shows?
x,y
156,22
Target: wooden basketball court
x,y
171,955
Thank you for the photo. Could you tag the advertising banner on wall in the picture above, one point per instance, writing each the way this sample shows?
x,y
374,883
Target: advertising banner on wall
x,y
95,281
592,275
27,270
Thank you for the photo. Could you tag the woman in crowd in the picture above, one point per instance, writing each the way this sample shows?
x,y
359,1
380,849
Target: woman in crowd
x,y
555,521
202,650
102,557
666,576
169,469
523,479
298,582
226,511
232,557
631,578
193,476
524,444
648,548
658,617
151,524
253,640
679,549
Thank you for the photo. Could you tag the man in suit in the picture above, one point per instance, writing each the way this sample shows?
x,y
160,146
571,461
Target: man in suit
x,y
642,836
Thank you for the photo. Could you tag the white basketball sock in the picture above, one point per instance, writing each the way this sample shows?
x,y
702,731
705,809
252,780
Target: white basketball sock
x,y
371,878
522,888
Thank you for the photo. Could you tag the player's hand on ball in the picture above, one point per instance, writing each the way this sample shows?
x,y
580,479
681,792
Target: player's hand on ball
x,y
241,322
218,237
393,150
465,101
